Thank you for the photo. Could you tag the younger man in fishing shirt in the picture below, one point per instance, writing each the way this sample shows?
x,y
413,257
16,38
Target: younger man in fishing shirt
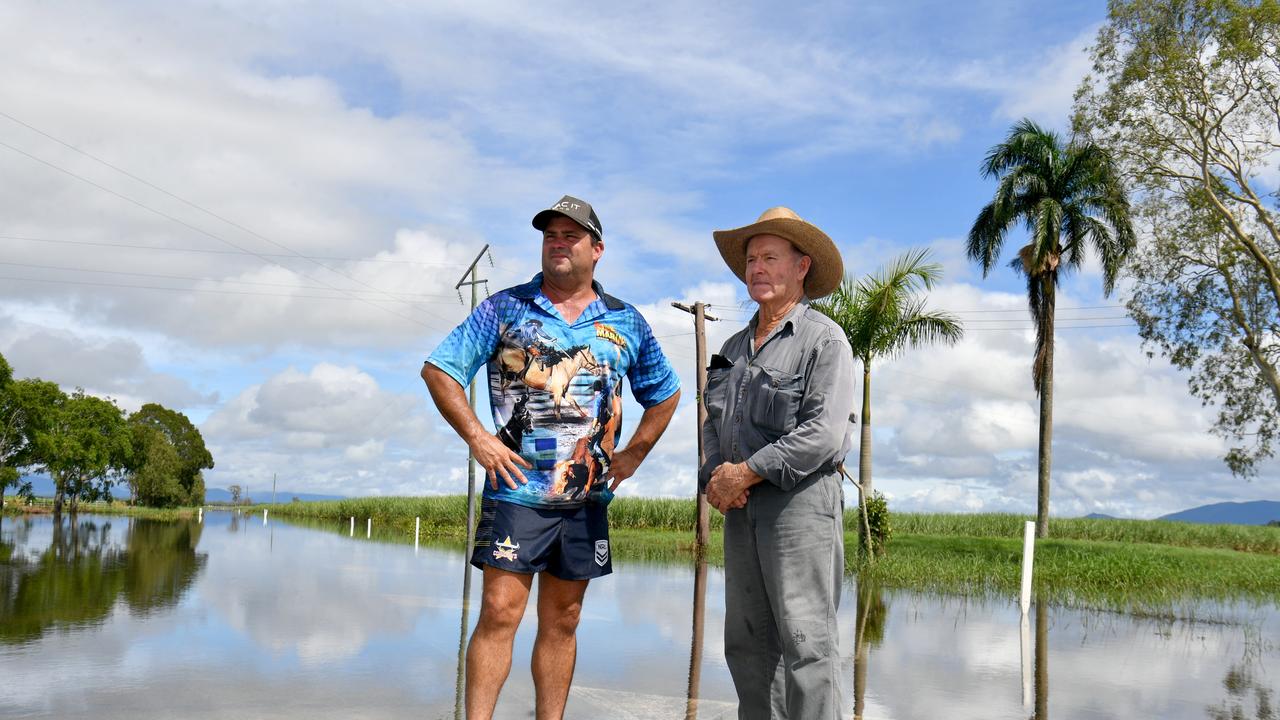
x,y
556,349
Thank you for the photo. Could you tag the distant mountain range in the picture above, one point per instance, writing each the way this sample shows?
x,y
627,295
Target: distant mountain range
x,y
282,496
1257,512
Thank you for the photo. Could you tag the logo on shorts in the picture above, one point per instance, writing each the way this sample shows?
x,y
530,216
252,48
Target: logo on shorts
x,y
602,552
505,550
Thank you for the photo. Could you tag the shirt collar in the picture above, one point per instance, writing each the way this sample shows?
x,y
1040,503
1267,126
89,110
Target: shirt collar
x,y
788,320
532,290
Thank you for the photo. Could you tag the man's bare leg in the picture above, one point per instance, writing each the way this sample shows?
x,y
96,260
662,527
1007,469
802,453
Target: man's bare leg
x,y
556,649
489,652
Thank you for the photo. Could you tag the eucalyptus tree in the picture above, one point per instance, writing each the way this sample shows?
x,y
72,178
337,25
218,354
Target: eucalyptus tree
x,y
1070,198
883,315
85,443
25,407
169,455
1186,95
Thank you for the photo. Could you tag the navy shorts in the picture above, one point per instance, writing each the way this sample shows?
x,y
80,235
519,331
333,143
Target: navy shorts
x,y
572,544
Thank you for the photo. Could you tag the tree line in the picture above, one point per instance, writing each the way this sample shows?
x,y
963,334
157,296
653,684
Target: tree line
x,y
88,444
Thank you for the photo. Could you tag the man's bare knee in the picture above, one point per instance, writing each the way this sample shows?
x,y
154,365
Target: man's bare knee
x,y
562,621
502,605
499,620
559,605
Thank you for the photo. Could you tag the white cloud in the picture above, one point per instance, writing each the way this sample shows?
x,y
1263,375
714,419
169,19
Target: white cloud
x,y
388,143
1040,86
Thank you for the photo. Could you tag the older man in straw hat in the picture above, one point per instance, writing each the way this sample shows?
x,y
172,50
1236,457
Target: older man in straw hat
x,y
779,400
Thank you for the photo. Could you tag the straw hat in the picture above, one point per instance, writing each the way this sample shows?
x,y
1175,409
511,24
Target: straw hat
x,y
826,268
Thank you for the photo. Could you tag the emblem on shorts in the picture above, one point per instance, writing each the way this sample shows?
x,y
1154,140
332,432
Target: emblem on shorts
x,y
505,550
602,552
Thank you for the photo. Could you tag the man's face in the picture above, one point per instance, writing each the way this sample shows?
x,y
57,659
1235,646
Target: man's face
x,y
775,270
568,248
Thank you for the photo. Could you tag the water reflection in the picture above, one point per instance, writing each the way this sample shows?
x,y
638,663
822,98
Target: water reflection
x,y
1244,689
1042,661
869,620
695,642
460,683
331,626
77,578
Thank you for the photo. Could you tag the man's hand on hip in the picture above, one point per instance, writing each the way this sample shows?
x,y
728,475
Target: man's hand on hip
x,y
498,460
623,465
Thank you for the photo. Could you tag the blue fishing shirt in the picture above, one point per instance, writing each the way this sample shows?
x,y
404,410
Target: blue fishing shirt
x,y
555,387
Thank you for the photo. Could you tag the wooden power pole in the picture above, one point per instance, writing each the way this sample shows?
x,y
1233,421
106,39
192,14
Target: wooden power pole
x,y
471,394
699,312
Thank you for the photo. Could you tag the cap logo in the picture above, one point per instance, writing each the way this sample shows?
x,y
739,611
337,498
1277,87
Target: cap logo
x,y
562,205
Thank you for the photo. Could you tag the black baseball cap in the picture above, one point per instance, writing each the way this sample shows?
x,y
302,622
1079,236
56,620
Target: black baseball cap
x,y
576,210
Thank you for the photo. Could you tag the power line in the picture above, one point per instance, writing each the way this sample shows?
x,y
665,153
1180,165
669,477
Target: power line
x,y
206,251
214,291
745,311
1056,327
1056,319
1059,307
210,279
232,223
206,232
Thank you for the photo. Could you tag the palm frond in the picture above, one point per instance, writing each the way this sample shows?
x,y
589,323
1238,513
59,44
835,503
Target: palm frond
x,y
881,314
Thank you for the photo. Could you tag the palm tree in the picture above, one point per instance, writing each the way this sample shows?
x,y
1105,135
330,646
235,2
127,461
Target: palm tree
x,y
883,315
1070,198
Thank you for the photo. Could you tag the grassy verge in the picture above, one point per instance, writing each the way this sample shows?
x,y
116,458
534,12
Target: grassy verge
x,y
117,507
1244,538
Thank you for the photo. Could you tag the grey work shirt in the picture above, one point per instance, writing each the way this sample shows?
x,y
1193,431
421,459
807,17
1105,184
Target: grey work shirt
x,y
786,409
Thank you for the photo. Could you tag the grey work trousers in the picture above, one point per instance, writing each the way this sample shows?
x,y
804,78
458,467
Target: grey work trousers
x,y
783,570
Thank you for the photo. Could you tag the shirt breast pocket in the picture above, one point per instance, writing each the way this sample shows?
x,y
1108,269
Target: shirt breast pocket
x,y
775,400
716,394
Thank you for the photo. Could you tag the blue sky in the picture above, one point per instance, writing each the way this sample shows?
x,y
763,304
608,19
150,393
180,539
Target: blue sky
x,y
306,184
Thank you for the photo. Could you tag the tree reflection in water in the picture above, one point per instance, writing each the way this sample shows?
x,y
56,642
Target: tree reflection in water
x,y
1243,686
78,578
869,622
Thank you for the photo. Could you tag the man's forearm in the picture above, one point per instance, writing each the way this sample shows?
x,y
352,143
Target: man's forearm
x,y
652,424
451,400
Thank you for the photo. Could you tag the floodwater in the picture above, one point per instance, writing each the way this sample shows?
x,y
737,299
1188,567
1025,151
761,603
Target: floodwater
x,y
111,617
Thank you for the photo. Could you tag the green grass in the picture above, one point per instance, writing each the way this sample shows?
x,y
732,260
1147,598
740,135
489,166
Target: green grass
x,y
116,507
1244,538
1139,577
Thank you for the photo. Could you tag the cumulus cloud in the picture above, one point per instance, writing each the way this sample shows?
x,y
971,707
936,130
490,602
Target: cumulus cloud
x,y
104,365
331,429
257,213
